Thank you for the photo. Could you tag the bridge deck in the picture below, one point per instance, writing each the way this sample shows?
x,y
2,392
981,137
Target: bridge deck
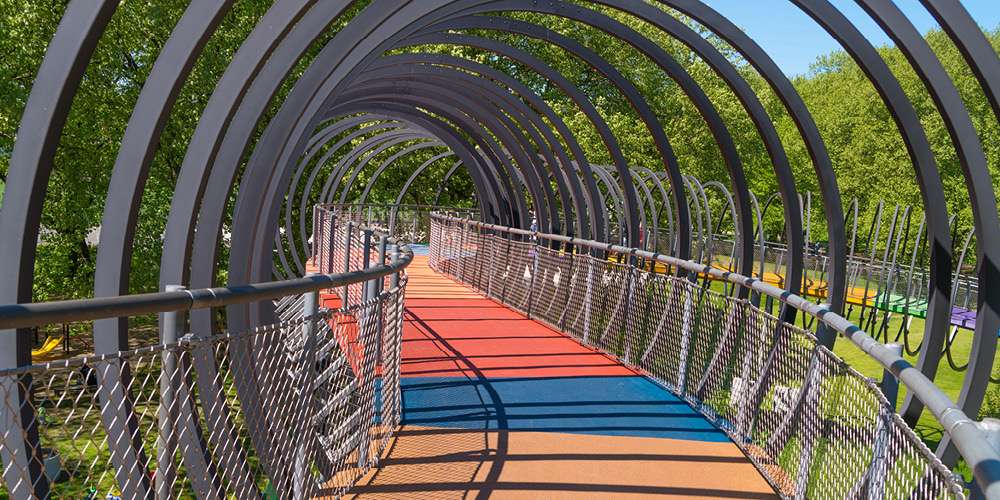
x,y
499,405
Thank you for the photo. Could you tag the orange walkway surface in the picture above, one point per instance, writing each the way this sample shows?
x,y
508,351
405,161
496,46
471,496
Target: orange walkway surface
x,y
499,406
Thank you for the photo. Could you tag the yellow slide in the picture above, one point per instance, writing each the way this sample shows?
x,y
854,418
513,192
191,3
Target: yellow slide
x,y
50,344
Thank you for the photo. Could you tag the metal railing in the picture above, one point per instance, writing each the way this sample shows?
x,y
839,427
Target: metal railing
x,y
409,223
295,409
812,425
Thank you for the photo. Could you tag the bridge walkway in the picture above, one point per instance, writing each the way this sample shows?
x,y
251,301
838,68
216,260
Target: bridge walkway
x,y
500,406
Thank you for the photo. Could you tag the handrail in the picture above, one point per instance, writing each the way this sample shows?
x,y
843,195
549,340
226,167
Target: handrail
x,y
390,205
62,311
983,459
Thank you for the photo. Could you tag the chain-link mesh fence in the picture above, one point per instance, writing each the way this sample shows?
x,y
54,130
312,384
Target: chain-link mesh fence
x,y
304,406
813,426
410,223
299,408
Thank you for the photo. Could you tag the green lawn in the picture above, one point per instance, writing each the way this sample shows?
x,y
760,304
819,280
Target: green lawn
x,y
947,378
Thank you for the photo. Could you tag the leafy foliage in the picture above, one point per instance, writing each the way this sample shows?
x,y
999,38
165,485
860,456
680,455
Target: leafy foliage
x,y
869,156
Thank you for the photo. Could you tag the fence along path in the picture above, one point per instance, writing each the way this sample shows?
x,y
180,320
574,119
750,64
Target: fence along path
x,y
814,427
497,404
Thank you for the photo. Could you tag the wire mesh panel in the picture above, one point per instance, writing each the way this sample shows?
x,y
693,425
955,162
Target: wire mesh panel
x,y
522,266
299,408
582,279
814,427
551,285
309,405
609,305
434,252
410,223
496,259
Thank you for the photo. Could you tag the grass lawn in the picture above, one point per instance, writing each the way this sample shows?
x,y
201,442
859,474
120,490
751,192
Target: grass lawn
x,y
947,378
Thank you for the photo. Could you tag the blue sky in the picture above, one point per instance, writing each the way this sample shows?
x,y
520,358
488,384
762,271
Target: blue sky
x,y
794,40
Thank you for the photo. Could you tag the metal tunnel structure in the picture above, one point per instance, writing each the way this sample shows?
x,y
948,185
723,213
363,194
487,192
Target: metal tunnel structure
x,y
375,80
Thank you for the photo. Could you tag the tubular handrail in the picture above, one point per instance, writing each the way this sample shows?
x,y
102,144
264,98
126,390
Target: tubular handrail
x,y
36,314
982,458
400,206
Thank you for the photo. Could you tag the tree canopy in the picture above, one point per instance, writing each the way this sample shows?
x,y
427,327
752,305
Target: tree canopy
x,y
869,156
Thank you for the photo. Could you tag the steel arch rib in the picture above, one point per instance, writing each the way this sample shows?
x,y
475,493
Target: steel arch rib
x,y
660,57
593,206
982,199
384,165
498,111
444,182
783,88
204,147
303,163
30,166
751,103
925,166
566,86
416,173
419,94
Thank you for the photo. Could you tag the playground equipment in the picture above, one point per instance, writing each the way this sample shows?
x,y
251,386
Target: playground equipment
x,y
50,344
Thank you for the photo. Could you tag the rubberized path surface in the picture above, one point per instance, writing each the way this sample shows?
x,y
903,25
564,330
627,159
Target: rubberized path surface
x,y
500,406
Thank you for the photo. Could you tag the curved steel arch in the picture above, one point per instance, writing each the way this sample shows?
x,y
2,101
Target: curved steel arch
x,y
444,182
322,140
495,162
978,179
546,142
708,111
388,163
925,166
566,86
416,173
596,210
496,122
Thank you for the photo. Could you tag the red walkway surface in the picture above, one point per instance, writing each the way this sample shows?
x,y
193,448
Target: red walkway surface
x,y
499,406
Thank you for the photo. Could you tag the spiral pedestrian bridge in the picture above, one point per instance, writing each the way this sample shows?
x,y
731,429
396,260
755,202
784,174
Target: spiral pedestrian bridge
x,y
405,252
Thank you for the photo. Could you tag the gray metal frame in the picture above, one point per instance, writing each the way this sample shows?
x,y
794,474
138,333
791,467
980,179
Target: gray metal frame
x,y
494,127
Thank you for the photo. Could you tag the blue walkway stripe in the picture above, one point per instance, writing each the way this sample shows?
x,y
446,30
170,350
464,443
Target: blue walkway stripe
x,y
609,406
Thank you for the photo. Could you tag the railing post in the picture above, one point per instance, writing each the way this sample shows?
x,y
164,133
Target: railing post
x,y
880,454
492,268
480,257
460,260
367,316
568,250
21,455
810,410
166,446
890,384
507,272
588,299
300,474
377,286
331,244
346,298
383,250
394,259
366,255
534,273
317,240
686,320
